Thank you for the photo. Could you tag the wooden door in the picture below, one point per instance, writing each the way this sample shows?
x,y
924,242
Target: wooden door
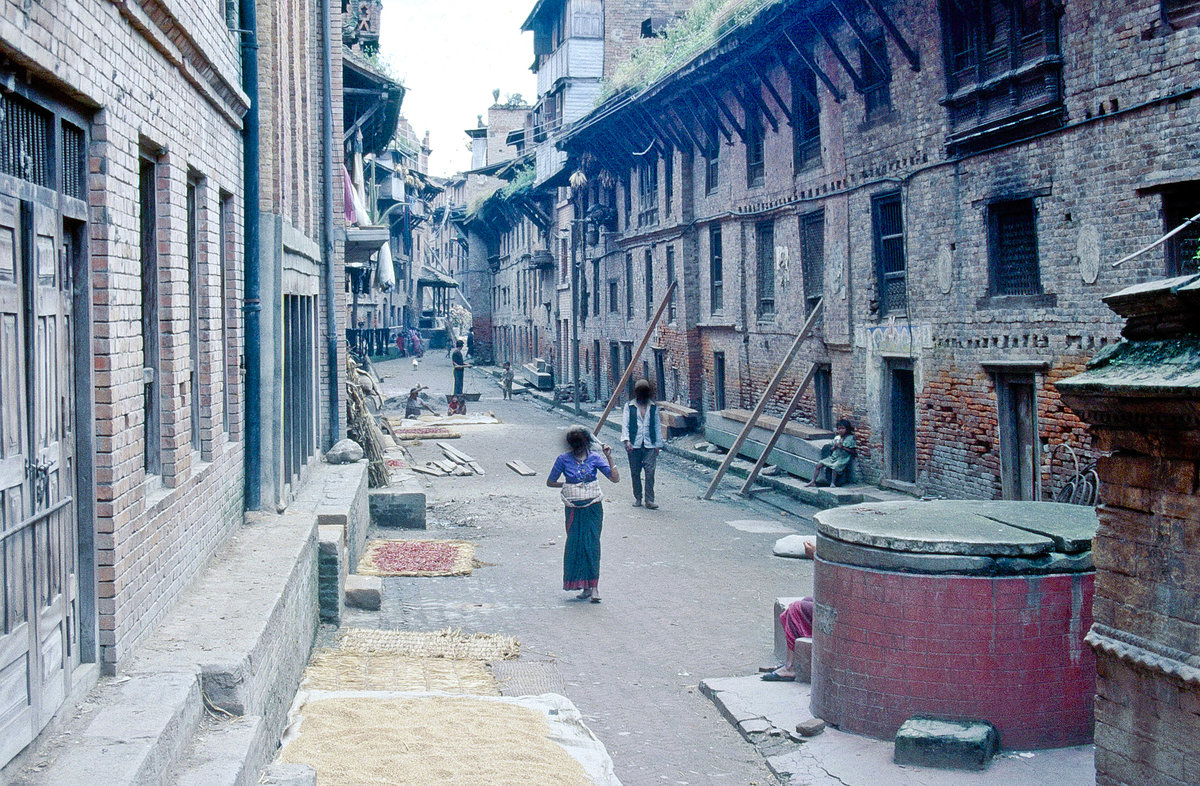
x,y
17,631
903,431
1019,460
38,554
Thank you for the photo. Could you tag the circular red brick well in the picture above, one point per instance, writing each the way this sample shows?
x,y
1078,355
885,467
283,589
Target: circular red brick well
x,y
959,610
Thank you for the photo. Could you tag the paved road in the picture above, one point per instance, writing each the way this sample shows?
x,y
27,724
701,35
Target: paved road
x,y
686,595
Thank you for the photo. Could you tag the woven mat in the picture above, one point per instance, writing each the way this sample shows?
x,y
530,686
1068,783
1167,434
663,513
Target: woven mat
x,y
444,740
417,558
381,671
448,643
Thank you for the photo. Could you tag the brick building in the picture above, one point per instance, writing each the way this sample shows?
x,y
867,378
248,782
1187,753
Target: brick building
x,y
123,266
944,178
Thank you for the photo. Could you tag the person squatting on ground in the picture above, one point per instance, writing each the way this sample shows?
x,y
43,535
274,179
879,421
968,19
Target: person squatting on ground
x,y
797,621
836,457
582,497
506,380
457,405
641,432
460,367
414,404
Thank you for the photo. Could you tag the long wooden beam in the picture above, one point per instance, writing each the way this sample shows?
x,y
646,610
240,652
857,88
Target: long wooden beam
x,y
848,18
711,114
837,53
772,386
838,95
793,405
914,60
760,106
616,394
725,110
765,76
797,84
685,125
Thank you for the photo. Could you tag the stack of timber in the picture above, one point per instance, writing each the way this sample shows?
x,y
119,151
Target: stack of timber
x,y
455,463
365,431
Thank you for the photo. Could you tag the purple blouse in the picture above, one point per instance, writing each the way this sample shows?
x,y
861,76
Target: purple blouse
x,y
572,470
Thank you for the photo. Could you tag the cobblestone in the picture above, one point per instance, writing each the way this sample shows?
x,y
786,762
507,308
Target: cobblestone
x,y
684,594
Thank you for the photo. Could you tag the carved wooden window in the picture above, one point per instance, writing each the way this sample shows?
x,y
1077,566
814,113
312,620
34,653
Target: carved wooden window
x,y
807,133
648,191
649,274
877,78
764,246
1003,66
812,254
890,264
1012,248
755,156
1180,204
712,168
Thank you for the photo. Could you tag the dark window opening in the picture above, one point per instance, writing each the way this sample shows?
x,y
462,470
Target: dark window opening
x,y
823,397
1012,248
1182,250
807,133
764,244
612,297
193,279
629,286
669,180
877,78
890,265
649,283
648,192
712,169
718,381
755,155
812,257
715,269
670,281
596,287
151,395
229,355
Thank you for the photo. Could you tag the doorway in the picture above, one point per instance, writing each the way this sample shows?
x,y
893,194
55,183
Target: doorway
x,y
660,373
823,394
718,381
1017,404
902,422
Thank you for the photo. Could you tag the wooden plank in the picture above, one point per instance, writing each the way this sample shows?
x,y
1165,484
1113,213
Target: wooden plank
x,y
779,429
455,453
766,398
428,470
612,402
520,467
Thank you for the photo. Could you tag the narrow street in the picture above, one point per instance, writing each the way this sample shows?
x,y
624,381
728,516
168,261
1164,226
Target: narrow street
x,y
686,595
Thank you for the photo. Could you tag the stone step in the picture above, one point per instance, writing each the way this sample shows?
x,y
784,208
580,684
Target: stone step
x,y
289,775
128,733
225,752
958,745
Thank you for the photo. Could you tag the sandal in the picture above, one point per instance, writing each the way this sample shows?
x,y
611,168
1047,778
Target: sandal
x,y
595,599
587,593
773,676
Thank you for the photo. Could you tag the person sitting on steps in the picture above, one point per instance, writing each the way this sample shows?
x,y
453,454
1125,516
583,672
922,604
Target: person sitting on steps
x,y
837,457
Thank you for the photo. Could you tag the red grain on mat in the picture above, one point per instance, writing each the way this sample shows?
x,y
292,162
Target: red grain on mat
x,y
416,556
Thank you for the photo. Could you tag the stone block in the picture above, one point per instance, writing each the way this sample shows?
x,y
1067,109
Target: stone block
x,y
797,546
364,592
955,745
403,508
346,451
810,727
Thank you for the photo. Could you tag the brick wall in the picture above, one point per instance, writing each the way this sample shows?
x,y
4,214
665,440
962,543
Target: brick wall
x,y
1121,67
1146,419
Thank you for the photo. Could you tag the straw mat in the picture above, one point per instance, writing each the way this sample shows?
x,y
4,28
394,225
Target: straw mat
x,y
428,741
417,558
450,644
381,671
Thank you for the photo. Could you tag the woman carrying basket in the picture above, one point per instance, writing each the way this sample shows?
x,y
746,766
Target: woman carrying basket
x,y
585,513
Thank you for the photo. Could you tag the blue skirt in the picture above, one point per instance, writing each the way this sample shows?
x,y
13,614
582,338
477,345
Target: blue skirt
x,y
581,555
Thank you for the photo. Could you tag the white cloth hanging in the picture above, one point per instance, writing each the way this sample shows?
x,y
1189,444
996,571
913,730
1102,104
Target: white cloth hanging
x,y
387,271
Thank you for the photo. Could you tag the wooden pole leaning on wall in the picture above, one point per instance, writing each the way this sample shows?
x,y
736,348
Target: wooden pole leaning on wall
x,y
616,394
793,405
772,386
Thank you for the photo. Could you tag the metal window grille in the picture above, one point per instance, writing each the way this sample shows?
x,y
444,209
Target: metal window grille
x,y
193,260
25,144
151,403
812,254
890,264
765,247
807,133
73,161
1013,248
300,386
755,157
1179,206
715,271
877,77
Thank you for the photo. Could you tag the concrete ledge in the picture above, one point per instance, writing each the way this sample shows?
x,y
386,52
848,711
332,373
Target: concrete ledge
x,y
332,569
401,505
364,592
227,753
289,775
337,493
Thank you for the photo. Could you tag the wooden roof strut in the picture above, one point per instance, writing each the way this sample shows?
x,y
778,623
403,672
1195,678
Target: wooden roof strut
x,y
766,80
848,18
914,59
838,95
837,53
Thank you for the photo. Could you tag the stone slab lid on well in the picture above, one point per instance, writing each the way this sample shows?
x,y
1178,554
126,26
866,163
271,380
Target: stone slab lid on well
x,y
966,527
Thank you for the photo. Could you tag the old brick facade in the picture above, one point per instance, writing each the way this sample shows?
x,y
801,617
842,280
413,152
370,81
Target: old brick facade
x,y
961,241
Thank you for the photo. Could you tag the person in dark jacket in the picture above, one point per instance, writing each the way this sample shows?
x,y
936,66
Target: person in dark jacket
x,y
641,432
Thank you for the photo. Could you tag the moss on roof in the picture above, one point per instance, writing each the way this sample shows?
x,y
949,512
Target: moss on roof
x,y
699,30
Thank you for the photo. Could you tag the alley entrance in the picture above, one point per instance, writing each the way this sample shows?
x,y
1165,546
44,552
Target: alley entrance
x,y
39,603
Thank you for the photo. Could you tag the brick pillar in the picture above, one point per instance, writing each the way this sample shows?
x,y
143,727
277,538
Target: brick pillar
x,y
1141,398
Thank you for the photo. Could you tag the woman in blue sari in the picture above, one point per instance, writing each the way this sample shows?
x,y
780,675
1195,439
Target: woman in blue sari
x,y
581,495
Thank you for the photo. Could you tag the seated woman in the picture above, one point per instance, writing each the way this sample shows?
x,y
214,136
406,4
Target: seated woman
x,y
797,620
837,457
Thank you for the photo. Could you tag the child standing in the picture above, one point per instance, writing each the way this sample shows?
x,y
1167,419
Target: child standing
x,y
506,379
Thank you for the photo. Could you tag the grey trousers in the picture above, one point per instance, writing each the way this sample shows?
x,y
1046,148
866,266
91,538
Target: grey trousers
x,y
643,459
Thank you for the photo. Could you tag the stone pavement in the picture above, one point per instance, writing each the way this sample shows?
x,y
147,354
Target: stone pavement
x,y
686,595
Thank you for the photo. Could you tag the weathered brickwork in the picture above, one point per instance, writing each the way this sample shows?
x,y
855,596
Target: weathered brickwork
x,y
1145,418
1127,85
